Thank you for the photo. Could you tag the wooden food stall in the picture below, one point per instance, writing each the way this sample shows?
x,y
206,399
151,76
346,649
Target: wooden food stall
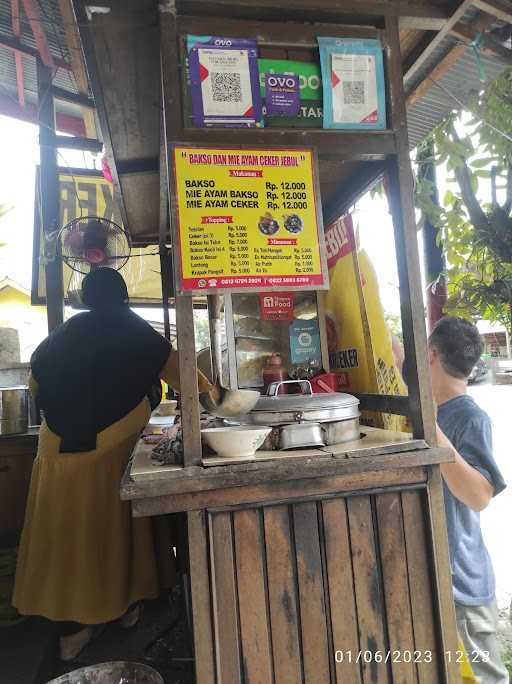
x,y
318,565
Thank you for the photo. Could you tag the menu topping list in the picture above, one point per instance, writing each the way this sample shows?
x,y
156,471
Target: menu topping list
x,y
247,219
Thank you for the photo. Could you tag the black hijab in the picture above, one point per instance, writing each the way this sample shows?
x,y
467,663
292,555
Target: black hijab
x,y
98,366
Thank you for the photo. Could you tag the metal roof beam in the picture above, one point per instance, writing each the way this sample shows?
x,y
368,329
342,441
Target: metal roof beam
x,y
17,46
495,9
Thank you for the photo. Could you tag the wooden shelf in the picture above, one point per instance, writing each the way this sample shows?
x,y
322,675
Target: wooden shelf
x,y
330,144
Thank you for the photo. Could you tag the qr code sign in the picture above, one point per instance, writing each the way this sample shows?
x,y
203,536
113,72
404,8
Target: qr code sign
x,y
226,87
354,93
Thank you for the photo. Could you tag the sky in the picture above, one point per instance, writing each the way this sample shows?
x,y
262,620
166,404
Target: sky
x,y
19,156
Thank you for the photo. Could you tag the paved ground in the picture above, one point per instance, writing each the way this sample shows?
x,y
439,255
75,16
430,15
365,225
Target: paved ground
x,y
497,518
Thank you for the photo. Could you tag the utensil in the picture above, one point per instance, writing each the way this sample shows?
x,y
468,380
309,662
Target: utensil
x,y
235,442
13,410
221,401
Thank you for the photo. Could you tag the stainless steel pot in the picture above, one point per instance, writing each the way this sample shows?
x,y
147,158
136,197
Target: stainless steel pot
x,y
287,409
13,410
341,431
301,435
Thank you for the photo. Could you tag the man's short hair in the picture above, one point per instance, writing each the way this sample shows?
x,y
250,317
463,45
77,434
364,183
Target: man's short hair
x,y
458,344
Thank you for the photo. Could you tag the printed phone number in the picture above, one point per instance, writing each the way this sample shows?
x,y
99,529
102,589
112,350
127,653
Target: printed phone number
x,y
407,656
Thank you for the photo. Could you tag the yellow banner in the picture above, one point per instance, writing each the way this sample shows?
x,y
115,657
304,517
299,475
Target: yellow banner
x,y
248,219
360,348
92,195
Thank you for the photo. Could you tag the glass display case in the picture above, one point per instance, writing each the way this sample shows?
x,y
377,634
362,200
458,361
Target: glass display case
x,y
281,323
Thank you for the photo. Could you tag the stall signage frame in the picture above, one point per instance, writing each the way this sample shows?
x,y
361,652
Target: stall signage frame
x,y
224,240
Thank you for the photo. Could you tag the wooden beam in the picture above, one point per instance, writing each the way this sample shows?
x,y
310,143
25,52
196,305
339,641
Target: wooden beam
x,y
17,46
18,57
495,9
451,58
488,46
270,34
352,189
401,200
75,143
437,73
173,121
385,403
411,14
353,145
92,67
434,44
77,62
84,101
37,26
50,194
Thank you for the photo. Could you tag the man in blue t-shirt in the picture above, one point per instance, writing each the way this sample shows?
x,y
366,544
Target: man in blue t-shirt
x,y
470,482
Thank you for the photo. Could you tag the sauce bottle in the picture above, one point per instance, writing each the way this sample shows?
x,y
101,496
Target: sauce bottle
x,y
275,371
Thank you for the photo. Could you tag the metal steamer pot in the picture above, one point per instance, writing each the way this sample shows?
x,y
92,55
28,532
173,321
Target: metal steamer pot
x,y
14,402
307,419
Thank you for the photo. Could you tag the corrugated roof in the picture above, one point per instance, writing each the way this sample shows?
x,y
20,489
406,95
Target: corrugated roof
x,y
459,84
55,33
461,80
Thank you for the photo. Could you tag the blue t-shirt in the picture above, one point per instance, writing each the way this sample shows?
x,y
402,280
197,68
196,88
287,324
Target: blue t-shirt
x,y
469,429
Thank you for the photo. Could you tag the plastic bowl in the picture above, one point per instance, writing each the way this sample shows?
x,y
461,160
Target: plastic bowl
x,y
236,442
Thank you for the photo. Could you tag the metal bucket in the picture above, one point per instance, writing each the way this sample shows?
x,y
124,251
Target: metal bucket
x,y
13,410
117,672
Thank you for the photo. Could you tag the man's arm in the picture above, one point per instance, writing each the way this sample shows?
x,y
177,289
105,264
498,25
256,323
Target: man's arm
x,y
466,483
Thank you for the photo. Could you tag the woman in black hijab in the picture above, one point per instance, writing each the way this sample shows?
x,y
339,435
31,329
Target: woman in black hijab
x,y
83,559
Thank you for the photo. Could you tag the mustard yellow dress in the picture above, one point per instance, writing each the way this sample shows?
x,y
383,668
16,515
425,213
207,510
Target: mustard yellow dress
x,y
82,556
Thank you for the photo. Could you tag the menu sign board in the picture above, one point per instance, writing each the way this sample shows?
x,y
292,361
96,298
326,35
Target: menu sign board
x,y
248,219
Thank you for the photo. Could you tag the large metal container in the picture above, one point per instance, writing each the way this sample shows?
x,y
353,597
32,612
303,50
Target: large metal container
x,y
287,409
14,410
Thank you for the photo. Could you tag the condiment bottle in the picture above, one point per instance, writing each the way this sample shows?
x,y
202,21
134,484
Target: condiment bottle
x,y
275,371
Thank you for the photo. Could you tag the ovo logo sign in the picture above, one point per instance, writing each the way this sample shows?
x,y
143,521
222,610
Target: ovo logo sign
x,y
222,41
281,81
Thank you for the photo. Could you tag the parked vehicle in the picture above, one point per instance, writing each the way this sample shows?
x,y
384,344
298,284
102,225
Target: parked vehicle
x,y
480,370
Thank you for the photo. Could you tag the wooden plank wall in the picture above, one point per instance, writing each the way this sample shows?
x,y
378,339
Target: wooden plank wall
x,y
337,590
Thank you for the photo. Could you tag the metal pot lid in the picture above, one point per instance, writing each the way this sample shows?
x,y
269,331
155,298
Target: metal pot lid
x,y
302,402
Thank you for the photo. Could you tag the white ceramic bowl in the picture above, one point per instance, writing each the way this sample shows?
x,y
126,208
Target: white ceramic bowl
x,y
236,442
166,408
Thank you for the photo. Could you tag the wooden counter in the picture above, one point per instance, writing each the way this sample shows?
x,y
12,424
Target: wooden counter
x,y
17,453
301,562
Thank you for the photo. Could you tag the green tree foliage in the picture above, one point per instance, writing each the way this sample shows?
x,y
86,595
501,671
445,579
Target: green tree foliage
x,y
477,236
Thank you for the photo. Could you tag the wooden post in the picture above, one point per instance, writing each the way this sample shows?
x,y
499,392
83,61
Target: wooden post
x,y
164,234
49,193
172,104
404,221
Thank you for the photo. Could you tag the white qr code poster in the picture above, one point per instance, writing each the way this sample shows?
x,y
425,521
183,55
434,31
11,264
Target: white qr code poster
x,y
354,89
224,81
353,83
226,86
